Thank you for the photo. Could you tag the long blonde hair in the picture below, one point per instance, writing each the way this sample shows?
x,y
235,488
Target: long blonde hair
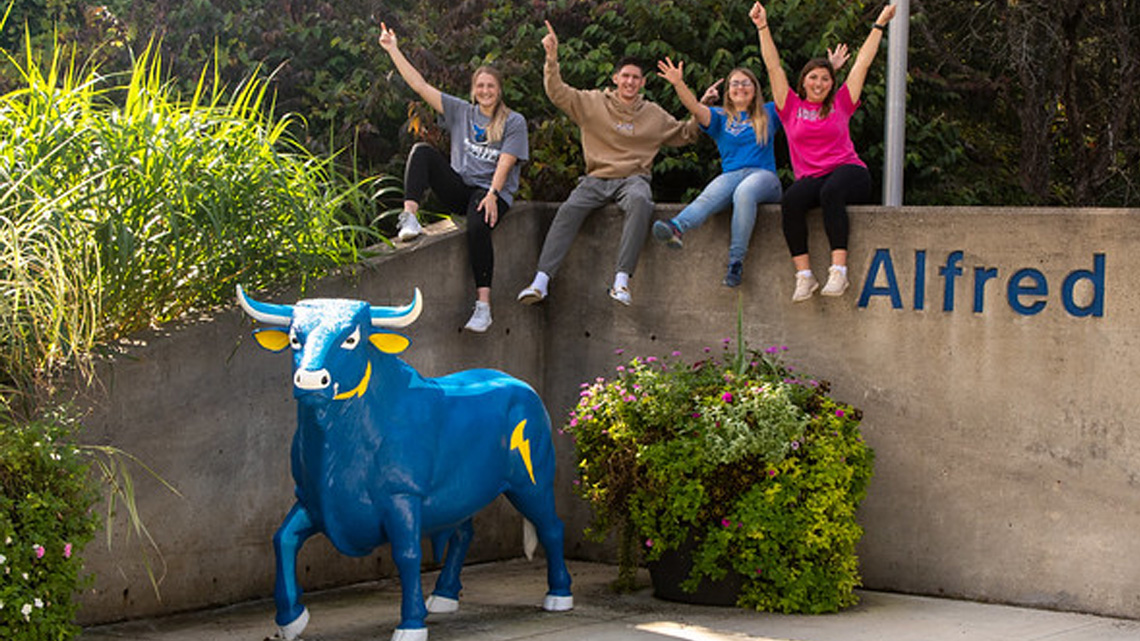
x,y
755,109
500,112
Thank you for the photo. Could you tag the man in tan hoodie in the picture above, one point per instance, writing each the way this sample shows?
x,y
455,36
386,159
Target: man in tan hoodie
x,y
621,134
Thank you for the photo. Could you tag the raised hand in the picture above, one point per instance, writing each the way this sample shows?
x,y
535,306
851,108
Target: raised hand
x,y
759,15
550,41
712,94
674,73
838,57
886,14
387,38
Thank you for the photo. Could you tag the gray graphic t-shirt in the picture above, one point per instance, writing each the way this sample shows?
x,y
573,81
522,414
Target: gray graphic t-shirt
x,y
472,156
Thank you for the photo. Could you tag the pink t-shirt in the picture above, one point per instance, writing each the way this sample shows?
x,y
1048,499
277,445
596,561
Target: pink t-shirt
x,y
819,145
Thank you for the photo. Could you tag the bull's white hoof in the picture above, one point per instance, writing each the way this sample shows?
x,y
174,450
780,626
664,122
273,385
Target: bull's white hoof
x,y
410,635
441,604
558,603
293,630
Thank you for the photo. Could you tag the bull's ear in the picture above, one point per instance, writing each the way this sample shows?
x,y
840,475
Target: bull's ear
x,y
389,343
274,340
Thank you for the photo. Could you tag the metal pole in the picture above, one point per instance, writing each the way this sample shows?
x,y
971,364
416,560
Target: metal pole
x,y
896,106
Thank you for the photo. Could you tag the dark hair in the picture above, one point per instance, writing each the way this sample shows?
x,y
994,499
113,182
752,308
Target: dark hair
x,y
813,64
625,61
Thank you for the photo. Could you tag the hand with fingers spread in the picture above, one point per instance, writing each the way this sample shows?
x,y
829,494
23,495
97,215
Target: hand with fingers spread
x,y
673,73
838,56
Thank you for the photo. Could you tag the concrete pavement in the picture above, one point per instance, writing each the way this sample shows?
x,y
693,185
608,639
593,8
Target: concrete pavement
x,y
500,602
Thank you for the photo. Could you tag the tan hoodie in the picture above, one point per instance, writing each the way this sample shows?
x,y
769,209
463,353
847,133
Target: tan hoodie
x,y
618,139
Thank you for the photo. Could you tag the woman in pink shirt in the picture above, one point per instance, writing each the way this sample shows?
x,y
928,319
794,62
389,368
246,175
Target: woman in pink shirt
x,y
828,172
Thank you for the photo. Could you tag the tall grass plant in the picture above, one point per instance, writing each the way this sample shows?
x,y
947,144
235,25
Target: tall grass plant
x,y
125,204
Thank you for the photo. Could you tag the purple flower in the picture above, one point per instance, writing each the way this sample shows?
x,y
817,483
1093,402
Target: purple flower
x,y
771,350
696,414
771,473
726,341
574,422
725,523
708,349
726,397
759,571
795,445
676,352
619,351
621,368
839,413
651,359
648,543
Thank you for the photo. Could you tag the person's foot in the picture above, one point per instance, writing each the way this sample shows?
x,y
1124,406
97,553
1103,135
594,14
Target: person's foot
x,y
836,282
480,319
805,287
667,232
531,295
409,227
734,274
621,295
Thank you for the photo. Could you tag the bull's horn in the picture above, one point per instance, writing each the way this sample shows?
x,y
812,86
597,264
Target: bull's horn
x,y
268,313
398,316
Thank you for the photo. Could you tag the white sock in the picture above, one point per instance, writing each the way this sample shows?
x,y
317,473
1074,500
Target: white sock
x,y
481,305
621,280
541,281
842,269
805,273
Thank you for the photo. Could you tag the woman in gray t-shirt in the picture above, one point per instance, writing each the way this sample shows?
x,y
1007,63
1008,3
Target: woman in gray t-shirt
x,y
487,142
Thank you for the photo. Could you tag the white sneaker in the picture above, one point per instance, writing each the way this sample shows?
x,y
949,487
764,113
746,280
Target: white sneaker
x,y
531,295
409,227
805,287
836,282
480,319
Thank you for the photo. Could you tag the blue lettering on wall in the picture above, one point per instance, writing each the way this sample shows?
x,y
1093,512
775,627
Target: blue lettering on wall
x,y
1026,291
882,260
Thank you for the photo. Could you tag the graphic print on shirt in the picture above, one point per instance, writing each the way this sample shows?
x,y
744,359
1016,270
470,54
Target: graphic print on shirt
x,y
624,128
475,143
736,127
803,113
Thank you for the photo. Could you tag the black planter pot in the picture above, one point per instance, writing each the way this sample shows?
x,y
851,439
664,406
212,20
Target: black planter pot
x,y
668,572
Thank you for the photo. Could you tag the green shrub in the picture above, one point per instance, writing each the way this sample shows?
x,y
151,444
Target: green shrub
x,y
45,520
755,466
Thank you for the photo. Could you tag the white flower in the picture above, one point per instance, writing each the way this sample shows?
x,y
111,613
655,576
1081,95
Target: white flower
x,y
56,457
26,611
8,541
3,559
39,603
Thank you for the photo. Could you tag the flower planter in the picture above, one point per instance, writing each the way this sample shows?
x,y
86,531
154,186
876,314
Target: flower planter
x,y
668,572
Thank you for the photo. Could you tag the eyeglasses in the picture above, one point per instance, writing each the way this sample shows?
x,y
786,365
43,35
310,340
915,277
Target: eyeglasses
x,y
740,83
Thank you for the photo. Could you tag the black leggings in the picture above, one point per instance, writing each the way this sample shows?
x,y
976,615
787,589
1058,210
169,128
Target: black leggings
x,y
427,168
848,184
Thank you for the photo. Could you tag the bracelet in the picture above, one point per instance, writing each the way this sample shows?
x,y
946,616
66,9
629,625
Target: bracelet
x,y
880,27
762,28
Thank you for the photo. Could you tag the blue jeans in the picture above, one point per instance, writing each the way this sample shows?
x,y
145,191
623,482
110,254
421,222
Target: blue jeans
x,y
744,189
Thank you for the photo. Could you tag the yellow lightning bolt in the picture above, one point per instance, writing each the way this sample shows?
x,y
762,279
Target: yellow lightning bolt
x,y
523,446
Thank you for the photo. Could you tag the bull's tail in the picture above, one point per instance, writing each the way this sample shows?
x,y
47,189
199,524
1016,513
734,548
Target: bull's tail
x,y
530,539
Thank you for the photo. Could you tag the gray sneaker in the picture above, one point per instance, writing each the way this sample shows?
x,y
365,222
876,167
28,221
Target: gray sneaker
x,y
409,227
668,233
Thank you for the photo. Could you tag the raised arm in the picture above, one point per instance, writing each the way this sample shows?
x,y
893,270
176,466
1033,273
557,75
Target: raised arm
x,y
411,76
867,53
777,79
675,75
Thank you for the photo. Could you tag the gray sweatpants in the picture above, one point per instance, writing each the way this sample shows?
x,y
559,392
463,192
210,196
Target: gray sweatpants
x,y
635,198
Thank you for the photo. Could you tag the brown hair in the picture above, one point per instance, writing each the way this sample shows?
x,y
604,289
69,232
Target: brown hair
x,y
813,64
755,109
500,112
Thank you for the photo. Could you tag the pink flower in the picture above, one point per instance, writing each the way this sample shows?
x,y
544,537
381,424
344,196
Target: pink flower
x,y
67,551
619,351
676,352
771,472
725,523
726,397
648,543
839,413
40,551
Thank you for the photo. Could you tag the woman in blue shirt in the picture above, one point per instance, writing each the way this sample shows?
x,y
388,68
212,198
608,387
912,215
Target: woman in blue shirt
x,y
744,130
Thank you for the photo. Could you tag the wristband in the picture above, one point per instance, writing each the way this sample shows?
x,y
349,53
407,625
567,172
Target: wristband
x,y
880,27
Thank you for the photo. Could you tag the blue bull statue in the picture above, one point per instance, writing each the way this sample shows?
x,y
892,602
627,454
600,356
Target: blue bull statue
x,y
384,455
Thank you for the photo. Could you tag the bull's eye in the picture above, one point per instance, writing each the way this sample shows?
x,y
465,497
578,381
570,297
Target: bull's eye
x,y
352,341
294,340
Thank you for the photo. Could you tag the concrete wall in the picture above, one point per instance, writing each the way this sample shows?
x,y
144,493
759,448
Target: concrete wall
x,y
1007,460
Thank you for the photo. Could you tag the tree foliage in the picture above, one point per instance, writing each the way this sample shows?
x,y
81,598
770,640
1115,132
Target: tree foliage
x,y
1027,102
